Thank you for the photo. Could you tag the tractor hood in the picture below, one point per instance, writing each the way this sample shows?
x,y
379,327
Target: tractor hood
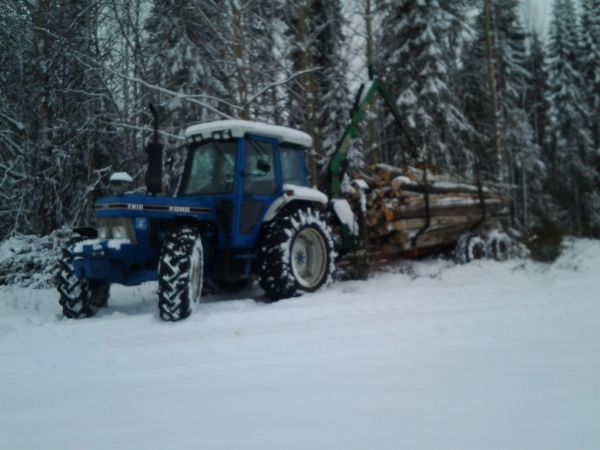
x,y
155,207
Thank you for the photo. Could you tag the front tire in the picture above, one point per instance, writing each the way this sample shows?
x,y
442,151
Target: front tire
x,y
180,274
79,297
295,254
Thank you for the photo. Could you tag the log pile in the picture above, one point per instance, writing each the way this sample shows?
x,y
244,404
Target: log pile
x,y
396,208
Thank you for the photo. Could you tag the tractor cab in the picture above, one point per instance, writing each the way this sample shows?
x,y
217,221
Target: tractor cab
x,y
241,168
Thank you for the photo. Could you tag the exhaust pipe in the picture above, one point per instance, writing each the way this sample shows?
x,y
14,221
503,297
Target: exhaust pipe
x,y
154,149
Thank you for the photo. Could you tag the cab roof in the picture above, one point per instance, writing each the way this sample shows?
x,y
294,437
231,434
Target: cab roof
x,y
239,128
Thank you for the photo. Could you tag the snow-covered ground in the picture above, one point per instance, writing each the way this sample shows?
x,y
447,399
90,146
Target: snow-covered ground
x,y
427,356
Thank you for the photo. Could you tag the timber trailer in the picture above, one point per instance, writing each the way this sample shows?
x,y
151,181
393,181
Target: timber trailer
x,y
244,209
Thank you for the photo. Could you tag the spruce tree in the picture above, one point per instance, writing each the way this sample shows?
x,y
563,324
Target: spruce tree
x,y
590,70
177,61
418,61
333,93
569,142
536,200
519,158
318,101
590,64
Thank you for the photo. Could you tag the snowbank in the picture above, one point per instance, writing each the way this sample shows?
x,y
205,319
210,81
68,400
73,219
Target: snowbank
x,y
30,261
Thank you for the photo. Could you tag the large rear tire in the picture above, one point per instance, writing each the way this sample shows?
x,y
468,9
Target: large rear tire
x,y
180,274
295,253
79,297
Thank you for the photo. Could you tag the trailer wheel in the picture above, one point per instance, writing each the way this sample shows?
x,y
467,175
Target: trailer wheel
x,y
295,254
79,297
499,245
180,274
469,247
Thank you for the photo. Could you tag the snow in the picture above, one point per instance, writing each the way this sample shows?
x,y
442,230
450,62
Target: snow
x,y
30,261
405,180
344,213
360,184
294,192
462,186
304,193
121,176
239,128
427,355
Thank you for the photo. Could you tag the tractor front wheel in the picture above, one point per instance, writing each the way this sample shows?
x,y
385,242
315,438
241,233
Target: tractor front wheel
x,y
79,297
180,274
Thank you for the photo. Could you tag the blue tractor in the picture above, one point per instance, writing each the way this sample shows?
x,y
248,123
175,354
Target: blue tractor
x,y
243,210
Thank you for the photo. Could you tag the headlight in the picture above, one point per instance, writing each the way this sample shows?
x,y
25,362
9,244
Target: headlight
x,y
119,232
103,233
116,228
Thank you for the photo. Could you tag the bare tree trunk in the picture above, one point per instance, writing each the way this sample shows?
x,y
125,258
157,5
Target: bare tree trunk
x,y
238,52
309,88
371,130
42,124
490,42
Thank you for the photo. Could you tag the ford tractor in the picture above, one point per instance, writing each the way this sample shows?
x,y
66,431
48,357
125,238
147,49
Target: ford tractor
x,y
243,210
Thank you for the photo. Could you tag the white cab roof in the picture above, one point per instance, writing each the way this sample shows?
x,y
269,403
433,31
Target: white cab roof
x,y
239,128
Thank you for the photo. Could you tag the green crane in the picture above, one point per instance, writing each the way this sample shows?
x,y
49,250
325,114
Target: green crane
x,y
365,97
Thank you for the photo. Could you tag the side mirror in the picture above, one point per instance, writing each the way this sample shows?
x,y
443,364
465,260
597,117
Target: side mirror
x,y
263,166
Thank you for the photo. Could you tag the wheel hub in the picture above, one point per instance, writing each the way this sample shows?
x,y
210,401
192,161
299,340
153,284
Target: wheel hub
x,y
309,258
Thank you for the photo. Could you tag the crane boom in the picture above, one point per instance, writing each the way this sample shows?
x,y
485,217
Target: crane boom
x,y
364,98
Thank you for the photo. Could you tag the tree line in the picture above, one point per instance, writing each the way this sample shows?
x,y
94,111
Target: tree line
x,y
480,94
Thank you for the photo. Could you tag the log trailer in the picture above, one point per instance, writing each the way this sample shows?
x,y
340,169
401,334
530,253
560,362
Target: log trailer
x,y
244,209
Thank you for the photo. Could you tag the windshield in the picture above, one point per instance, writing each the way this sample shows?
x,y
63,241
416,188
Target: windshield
x,y
209,169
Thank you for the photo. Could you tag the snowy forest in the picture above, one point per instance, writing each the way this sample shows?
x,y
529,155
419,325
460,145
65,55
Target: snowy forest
x,y
478,88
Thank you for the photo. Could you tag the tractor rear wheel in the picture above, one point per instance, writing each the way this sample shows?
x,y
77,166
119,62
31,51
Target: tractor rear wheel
x,y
470,247
180,274
295,253
79,297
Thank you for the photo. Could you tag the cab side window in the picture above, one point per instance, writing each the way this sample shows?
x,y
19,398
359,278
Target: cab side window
x,y
259,170
293,165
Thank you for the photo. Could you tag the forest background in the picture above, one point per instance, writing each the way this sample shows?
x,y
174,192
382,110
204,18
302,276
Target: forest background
x,y
477,87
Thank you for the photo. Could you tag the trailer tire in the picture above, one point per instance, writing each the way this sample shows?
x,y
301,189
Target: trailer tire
x,y
180,272
295,253
470,247
499,245
79,297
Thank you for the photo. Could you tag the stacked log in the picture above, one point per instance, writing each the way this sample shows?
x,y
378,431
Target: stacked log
x,y
396,208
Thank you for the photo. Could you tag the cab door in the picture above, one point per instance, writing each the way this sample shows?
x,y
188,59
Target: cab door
x,y
260,185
